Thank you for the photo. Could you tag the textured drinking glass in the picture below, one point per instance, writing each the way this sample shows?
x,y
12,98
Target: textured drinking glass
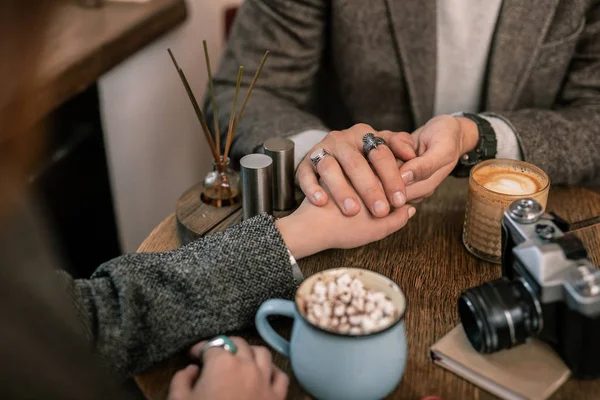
x,y
482,232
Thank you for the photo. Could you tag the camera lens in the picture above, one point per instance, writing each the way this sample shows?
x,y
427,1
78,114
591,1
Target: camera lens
x,y
499,314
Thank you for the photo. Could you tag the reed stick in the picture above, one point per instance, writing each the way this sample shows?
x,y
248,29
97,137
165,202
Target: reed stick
x,y
213,100
199,113
232,116
237,120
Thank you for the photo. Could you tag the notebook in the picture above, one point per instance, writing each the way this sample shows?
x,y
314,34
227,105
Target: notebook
x,y
532,371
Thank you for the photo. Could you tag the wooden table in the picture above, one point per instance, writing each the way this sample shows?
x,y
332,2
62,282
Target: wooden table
x,y
83,43
428,260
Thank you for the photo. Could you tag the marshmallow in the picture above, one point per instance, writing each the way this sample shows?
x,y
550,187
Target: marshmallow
x,y
339,310
355,330
343,304
344,280
355,319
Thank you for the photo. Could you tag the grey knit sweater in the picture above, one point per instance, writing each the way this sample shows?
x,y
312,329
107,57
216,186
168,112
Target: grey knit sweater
x,y
136,310
139,309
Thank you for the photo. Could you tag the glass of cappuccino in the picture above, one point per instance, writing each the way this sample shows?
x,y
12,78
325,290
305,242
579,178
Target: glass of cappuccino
x,y
493,186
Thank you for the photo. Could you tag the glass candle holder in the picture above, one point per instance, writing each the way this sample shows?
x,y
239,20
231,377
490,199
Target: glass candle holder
x,y
222,185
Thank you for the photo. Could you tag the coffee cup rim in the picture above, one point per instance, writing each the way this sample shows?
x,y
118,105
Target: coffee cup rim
x,y
513,162
393,285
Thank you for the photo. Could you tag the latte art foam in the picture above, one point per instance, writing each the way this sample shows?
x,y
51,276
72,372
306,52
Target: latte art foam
x,y
509,182
512,184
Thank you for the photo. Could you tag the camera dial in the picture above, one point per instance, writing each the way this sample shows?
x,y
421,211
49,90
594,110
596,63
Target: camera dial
x,y
589,284
525,211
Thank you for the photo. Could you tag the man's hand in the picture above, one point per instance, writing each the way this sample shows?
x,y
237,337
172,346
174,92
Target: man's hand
x,y
247,375
377,187
311,229
438,144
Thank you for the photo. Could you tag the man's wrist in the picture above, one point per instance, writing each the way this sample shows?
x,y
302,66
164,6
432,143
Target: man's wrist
x,y
469,133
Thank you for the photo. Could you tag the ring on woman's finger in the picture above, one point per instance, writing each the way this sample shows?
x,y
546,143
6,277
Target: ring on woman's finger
x,y
221,341
318,155
370,142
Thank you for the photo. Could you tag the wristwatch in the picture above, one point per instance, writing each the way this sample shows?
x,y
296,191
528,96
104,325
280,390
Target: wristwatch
x,y
485,149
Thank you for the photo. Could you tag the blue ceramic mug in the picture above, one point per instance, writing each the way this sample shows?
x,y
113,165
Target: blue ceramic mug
x,y
338,366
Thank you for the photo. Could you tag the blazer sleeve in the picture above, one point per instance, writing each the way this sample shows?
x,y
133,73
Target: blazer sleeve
x,y
565,140
139,309
293,32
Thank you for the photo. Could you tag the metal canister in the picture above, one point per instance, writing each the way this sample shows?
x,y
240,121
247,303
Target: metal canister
x,y
282,152
256,185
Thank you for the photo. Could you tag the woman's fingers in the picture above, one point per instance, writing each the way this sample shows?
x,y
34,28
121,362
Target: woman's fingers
x,y
280,383
264,361
183,382
243,350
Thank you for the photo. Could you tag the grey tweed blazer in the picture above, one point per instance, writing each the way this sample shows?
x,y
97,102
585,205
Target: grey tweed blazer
x,y
335,63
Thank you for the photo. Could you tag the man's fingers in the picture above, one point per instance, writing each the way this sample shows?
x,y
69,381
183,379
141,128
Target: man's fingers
x,y
402,144
344,195
183,383
383,161
417,201
264,361
418,191
363,179
307,179
402,147
421,168
280,383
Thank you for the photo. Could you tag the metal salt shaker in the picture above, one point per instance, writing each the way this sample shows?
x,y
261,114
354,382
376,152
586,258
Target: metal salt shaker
x,y
256,185
282,152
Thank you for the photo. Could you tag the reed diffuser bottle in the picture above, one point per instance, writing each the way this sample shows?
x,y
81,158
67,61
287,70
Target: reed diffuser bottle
x,y
222,184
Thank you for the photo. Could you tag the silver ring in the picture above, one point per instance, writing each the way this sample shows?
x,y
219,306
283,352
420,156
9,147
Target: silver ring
x,y
370,142
318,155
221,341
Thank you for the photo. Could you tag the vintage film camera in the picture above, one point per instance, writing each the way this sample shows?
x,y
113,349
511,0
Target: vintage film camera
x,y
549,290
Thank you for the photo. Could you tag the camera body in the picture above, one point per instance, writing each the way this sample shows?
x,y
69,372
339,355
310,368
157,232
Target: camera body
x,y
549,290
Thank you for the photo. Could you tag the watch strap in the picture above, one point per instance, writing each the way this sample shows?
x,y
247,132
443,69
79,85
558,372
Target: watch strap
x,y
486,146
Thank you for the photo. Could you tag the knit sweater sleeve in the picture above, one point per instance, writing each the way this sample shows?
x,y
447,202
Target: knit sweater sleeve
x,y
139,309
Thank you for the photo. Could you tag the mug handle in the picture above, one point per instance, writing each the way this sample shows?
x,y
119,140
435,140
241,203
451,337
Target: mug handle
x,y
274,307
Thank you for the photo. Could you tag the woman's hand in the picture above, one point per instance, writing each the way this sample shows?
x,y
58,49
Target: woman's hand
x,y
311,229
247,375
377,184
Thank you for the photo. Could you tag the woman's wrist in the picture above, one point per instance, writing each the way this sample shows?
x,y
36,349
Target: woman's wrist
x,y
297,235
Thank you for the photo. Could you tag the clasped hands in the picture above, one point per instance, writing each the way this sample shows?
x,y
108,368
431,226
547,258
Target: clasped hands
x,y
407,170
376,193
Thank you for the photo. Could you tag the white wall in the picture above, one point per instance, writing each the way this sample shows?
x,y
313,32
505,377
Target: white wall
x,y
154,143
